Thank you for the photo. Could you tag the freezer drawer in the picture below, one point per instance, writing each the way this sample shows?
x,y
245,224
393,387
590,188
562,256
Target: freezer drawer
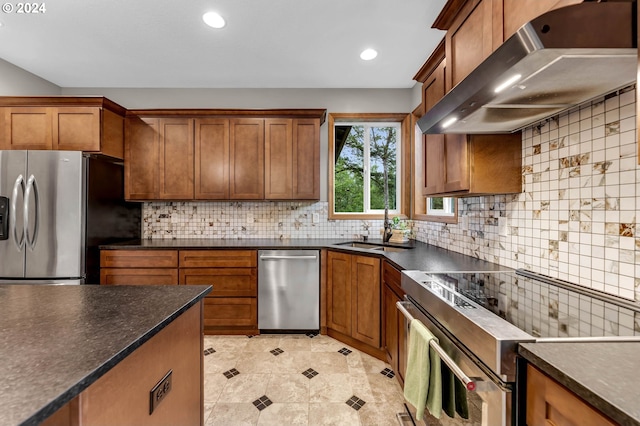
x,y
289,290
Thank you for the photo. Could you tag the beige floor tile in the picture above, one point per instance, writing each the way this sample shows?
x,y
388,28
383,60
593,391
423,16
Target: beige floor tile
x,y
385,389
379,414
244,388
226,343
278,414
225,414
219,362
288,388
338,414
295,344
208,406
258,362
324,362
327,344
214,383
372,365
330,388
263,343
361,387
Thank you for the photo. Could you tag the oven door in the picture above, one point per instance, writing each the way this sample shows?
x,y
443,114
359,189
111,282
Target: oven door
x,y
491,401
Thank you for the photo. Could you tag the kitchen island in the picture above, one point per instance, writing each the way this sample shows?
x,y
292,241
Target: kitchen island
x,y
93,354
588,370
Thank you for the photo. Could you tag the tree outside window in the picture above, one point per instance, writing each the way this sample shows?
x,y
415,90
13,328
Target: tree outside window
x,y
366,155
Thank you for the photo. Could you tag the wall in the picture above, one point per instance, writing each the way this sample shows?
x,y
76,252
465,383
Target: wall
x,y
576,217
15,81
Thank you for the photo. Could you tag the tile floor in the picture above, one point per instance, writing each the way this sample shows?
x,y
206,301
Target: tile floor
x,y
295,379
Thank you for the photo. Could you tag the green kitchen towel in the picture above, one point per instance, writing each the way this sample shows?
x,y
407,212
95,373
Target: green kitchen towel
x,y
454,394
422,383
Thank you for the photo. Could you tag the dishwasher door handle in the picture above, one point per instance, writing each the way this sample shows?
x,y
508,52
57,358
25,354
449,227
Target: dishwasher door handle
x,y
273,257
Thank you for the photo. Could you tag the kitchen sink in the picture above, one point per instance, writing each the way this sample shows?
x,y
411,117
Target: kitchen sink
x,y
374,246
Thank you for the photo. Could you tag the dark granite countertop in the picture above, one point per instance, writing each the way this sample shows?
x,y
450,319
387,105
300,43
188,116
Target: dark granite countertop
x,y
603,374
57,340
421,256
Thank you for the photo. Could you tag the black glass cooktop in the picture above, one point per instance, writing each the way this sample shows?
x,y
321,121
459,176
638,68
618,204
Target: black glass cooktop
x,y
541,306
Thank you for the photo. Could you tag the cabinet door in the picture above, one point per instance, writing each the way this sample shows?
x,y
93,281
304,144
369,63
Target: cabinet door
x,y
212,159
390,320
433,145
365,300
176,159
469,40
457,163
306,159
76,129
141,158
339,292
278,161
246,165
27,128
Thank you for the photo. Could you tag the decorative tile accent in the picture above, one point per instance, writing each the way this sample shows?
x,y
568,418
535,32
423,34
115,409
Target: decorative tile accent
x,y
250,336
262,402
311,335
231,373
276,351
355,403
344,351
209,351
310,373
388,373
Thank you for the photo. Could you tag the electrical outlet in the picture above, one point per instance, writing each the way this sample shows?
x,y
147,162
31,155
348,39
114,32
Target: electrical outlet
x,y
160,391
315,218
250,218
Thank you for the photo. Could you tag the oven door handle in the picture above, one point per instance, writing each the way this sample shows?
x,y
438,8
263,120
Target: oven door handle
x,y
468,382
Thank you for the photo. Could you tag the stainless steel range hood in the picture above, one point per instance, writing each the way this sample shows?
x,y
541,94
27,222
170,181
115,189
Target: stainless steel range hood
x,y
559,60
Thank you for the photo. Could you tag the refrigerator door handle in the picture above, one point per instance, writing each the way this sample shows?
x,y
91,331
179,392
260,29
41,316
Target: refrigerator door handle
x,y
31,183
19,242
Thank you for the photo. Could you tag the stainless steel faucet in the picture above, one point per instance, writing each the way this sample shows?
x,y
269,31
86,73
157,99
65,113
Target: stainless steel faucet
x,y
387,233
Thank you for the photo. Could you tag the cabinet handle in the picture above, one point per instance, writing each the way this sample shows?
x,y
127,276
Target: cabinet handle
x,y
288,257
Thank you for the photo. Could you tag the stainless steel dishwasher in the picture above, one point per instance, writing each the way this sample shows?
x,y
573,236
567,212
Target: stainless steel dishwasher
x,y
289,290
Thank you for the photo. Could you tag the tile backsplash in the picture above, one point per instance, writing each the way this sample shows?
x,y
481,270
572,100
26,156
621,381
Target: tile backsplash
x,y
575,219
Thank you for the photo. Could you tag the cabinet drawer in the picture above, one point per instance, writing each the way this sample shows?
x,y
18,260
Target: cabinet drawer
x,y
230,311
234,282
218,258
151,276
139,259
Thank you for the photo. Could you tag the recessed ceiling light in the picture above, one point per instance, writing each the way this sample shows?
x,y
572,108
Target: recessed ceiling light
x,y
368,54
214,20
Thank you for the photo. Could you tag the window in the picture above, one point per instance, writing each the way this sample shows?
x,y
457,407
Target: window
x,y
441,206
366,150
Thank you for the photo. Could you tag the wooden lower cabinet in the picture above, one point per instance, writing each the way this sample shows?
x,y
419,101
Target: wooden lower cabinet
x,y
232,305
394,330
121,396
353,301
139,267
550,403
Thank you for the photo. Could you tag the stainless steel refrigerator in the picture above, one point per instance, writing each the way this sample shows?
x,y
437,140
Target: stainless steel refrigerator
x,y
56,208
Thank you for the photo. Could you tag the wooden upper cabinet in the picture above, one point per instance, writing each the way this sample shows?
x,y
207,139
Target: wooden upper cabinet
x,y
211,159
306,159
62,123
223,154
27,128
278,159
469,40
433,151
141,158
176,159
246,165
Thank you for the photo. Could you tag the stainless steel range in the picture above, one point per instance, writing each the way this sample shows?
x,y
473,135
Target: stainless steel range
x,y
480,318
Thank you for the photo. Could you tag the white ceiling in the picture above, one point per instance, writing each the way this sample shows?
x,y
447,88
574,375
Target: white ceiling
x,y
266,43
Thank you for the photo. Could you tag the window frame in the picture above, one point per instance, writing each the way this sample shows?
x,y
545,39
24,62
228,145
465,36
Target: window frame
x,y
403,190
